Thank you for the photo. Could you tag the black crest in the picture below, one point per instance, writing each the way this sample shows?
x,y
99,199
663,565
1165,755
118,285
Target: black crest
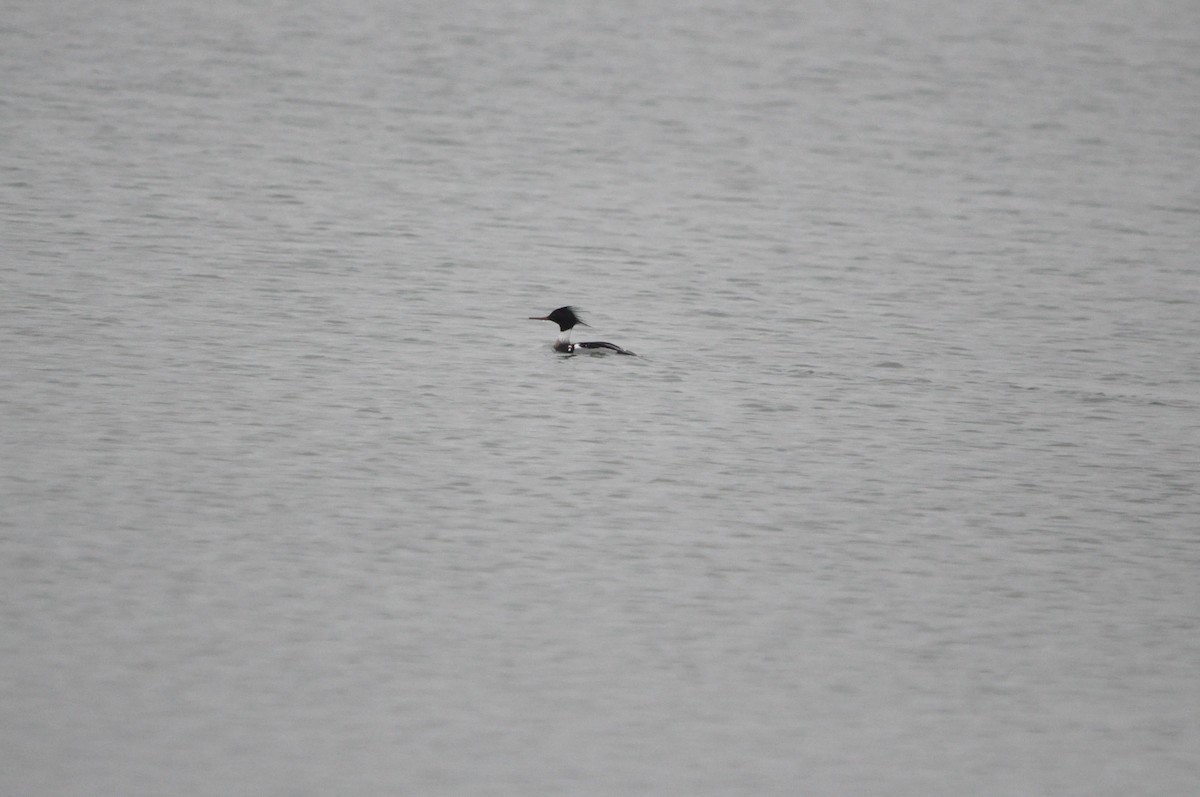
x,y
565,317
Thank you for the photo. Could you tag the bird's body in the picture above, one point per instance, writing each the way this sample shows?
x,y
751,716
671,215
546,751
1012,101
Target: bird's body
x,y
567,320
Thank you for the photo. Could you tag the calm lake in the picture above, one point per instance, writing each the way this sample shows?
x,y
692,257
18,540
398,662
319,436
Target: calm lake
x,y
901,498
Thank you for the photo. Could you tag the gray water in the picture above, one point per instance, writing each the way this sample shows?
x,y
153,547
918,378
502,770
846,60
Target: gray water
x,y
901,498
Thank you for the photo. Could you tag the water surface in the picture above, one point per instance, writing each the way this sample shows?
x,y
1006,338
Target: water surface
x,y
900,499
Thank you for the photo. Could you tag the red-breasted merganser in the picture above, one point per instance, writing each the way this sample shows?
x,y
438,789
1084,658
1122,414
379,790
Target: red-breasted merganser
x,y
566,319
